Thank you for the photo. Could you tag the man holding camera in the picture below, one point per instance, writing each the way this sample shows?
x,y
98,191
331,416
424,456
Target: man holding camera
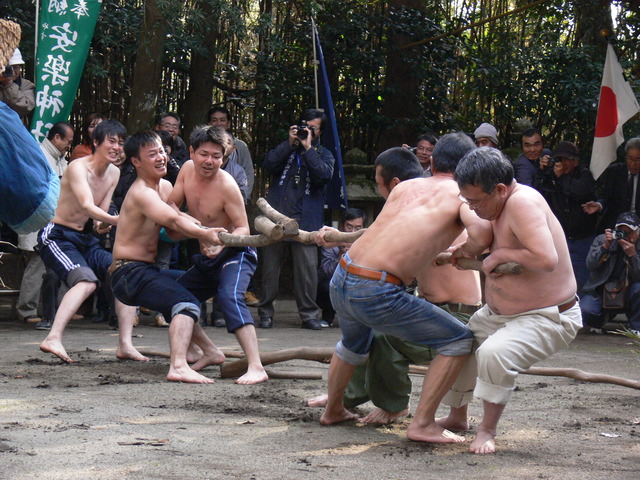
x,y
566,186
615,270
300,168
528,161
16,91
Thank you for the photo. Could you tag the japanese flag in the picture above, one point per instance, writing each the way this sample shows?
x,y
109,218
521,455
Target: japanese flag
x,y
616,105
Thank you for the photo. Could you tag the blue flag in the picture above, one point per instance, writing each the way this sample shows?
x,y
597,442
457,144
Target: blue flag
x,y
336,192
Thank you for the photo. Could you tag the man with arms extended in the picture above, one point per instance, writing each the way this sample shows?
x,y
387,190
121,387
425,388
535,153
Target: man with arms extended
x,y
213,197
527,317
67,246
384,379
421,218
136,278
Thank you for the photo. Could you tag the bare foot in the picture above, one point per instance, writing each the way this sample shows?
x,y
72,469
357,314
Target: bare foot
x,y
186,375
455,424
129,352
484,443
254,375
194,353
214,357
319,401
57,349
345,415
432,433
382,417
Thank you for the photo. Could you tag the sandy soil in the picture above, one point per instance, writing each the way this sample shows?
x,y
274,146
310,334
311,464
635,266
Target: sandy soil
x,y
105,419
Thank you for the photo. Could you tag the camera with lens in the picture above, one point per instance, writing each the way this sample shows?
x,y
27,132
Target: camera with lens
x,y
618,234
551,162
303,131
8,72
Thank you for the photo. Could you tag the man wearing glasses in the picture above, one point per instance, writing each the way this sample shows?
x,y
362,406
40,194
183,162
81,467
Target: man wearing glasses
x,y
620,191
170,122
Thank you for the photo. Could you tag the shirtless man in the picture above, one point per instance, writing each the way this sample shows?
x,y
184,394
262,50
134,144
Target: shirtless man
x,y
421,218
67,246
527,317
384,379
213,197
135,277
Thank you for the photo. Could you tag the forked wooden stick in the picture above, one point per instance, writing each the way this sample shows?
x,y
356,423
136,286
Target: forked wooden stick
x,y
290,226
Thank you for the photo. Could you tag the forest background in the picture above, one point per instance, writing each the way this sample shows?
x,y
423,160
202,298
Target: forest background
x,y
397,68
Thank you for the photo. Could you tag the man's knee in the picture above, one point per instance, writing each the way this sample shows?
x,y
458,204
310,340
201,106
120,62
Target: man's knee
x,y
191,310
82,274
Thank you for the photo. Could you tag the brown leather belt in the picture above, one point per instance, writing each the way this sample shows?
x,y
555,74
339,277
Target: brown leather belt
x,y
369,273
119,263
566,306
460,307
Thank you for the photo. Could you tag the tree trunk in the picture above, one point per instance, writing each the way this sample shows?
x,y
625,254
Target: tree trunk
x,y
401,105
198,99
148,70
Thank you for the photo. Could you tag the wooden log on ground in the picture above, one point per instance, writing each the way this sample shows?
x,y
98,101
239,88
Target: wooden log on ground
x,y
290,226
323,355
239,367
265,226
156,353
583,376
294,375
512,268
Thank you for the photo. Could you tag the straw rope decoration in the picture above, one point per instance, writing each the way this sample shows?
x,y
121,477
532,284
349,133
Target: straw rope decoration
x,y
9,40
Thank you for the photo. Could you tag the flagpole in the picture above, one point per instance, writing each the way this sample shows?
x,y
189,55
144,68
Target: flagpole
x,y
315,61
35,43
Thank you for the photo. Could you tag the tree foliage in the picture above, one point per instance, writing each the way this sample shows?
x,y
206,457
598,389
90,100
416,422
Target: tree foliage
x,y
541,66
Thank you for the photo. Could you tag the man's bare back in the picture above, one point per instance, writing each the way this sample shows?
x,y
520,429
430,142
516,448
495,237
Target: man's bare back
x,y
423,208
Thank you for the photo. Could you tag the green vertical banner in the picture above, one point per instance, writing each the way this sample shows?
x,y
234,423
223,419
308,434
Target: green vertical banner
x,y
64,36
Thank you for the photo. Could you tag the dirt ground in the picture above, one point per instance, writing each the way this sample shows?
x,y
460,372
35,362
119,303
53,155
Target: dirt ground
x,y
105,419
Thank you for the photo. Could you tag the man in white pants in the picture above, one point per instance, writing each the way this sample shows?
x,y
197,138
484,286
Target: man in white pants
x,y
527,317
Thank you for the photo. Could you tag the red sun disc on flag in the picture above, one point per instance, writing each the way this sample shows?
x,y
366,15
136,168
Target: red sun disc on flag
x,y
607,119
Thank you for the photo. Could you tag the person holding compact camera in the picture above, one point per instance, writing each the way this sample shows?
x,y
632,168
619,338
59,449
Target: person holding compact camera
x,y
566,186
17,92
614,281
300,168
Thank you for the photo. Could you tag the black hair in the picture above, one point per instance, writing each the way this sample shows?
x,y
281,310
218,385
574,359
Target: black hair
x,y
449,150
312,114
398,162
484,167
429,137
530,132
353,213
108,128
162,116
137,140
208,133
213,110
167,139
59,128
89,119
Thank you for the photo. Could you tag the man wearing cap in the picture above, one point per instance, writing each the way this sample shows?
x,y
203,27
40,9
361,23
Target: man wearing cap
x,y
16,91
619,192
613,259
566,186
528,161
486,135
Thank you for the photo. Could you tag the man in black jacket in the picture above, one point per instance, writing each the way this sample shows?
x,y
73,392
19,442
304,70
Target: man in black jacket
x,y
566,186
620,191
